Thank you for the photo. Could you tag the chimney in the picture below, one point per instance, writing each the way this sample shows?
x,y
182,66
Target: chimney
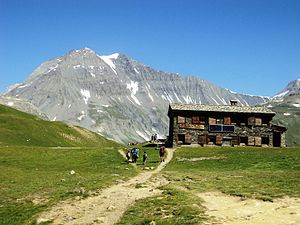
x,y
233,102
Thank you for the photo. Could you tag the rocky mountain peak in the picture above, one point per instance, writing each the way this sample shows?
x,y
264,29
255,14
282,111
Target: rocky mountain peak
x,y
292,89
116,96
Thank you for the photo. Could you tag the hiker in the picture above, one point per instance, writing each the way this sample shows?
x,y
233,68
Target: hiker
x,y
128,154
135,155
162,153
145,157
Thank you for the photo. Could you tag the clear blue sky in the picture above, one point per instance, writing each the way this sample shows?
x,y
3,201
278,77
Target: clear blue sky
x,y
248,46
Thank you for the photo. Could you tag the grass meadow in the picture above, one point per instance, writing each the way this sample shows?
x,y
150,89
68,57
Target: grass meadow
x,y
34,178
262,173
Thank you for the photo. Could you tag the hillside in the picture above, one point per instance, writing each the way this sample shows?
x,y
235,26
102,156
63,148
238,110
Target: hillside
x,y
23,129
286,104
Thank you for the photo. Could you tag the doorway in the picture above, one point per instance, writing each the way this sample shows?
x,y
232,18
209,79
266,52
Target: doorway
x,y
276,139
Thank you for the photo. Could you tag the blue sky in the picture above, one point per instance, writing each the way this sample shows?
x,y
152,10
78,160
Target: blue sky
x,y
248,46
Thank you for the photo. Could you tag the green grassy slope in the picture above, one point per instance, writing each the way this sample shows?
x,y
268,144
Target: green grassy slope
x,y
288,116
254,172
35,174
21,129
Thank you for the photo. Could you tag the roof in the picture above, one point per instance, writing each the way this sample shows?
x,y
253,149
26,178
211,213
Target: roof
x,y
220,108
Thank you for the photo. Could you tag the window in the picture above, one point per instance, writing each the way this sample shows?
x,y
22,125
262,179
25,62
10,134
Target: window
x,y
244,140
220,120
251,121
202,139
181,138
202,119
211,139
265,141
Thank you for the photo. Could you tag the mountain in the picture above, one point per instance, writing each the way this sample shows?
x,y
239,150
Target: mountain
x,y
22,105
290,94
22,129
116,96
286,104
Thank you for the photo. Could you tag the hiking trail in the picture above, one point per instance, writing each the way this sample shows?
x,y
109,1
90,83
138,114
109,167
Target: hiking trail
x,y
108,207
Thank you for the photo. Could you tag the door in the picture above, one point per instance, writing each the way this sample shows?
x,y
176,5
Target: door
x,y
276,139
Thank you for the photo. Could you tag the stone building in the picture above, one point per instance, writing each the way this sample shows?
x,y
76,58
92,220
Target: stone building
x,y
223,125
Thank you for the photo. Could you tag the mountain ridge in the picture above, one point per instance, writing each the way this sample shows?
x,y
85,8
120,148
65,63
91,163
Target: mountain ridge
x,y
116,96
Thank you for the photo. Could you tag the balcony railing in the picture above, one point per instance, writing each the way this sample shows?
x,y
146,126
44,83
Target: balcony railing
x,y
221,128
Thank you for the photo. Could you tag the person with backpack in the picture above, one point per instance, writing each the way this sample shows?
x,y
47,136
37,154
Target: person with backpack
x,y
128,154
135,155
162,153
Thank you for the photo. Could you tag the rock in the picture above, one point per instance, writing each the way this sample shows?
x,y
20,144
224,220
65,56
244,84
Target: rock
x,y
152,222
82,190
77,198
99,220
42,220
120,181
72,172
111,208
151,168
147,168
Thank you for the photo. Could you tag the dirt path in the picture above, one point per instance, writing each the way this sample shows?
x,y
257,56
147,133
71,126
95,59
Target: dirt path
x,y
231,210
108,207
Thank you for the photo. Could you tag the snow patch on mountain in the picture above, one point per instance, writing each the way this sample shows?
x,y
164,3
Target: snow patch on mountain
x,y
86,95
81,116
282,94
108,60
52,68
78,66
10,103
133,87
149,94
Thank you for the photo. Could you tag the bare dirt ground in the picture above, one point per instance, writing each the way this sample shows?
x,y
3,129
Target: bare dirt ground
x,y
236,211
107,207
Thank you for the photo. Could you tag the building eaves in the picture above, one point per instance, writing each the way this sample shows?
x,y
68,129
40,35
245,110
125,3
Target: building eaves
x,y
220,108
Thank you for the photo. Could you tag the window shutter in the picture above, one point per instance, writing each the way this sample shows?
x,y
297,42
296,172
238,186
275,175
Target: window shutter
x,y
212,120
251,121
227,120
195,119
188,139
180,119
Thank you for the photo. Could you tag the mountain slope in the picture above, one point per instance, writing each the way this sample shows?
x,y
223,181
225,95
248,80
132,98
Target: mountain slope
x,y
23,129
22,105
114,95
286,104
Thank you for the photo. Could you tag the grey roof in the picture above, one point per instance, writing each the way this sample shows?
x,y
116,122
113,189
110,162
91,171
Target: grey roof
x,y
220,108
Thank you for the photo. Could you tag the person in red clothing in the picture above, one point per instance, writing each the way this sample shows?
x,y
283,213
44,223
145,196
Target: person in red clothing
x,y
162,153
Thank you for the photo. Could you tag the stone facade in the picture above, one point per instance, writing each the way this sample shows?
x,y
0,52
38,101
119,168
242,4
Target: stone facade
x,y
223,126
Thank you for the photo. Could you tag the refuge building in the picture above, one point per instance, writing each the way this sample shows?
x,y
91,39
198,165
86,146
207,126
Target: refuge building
x,y
224,125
